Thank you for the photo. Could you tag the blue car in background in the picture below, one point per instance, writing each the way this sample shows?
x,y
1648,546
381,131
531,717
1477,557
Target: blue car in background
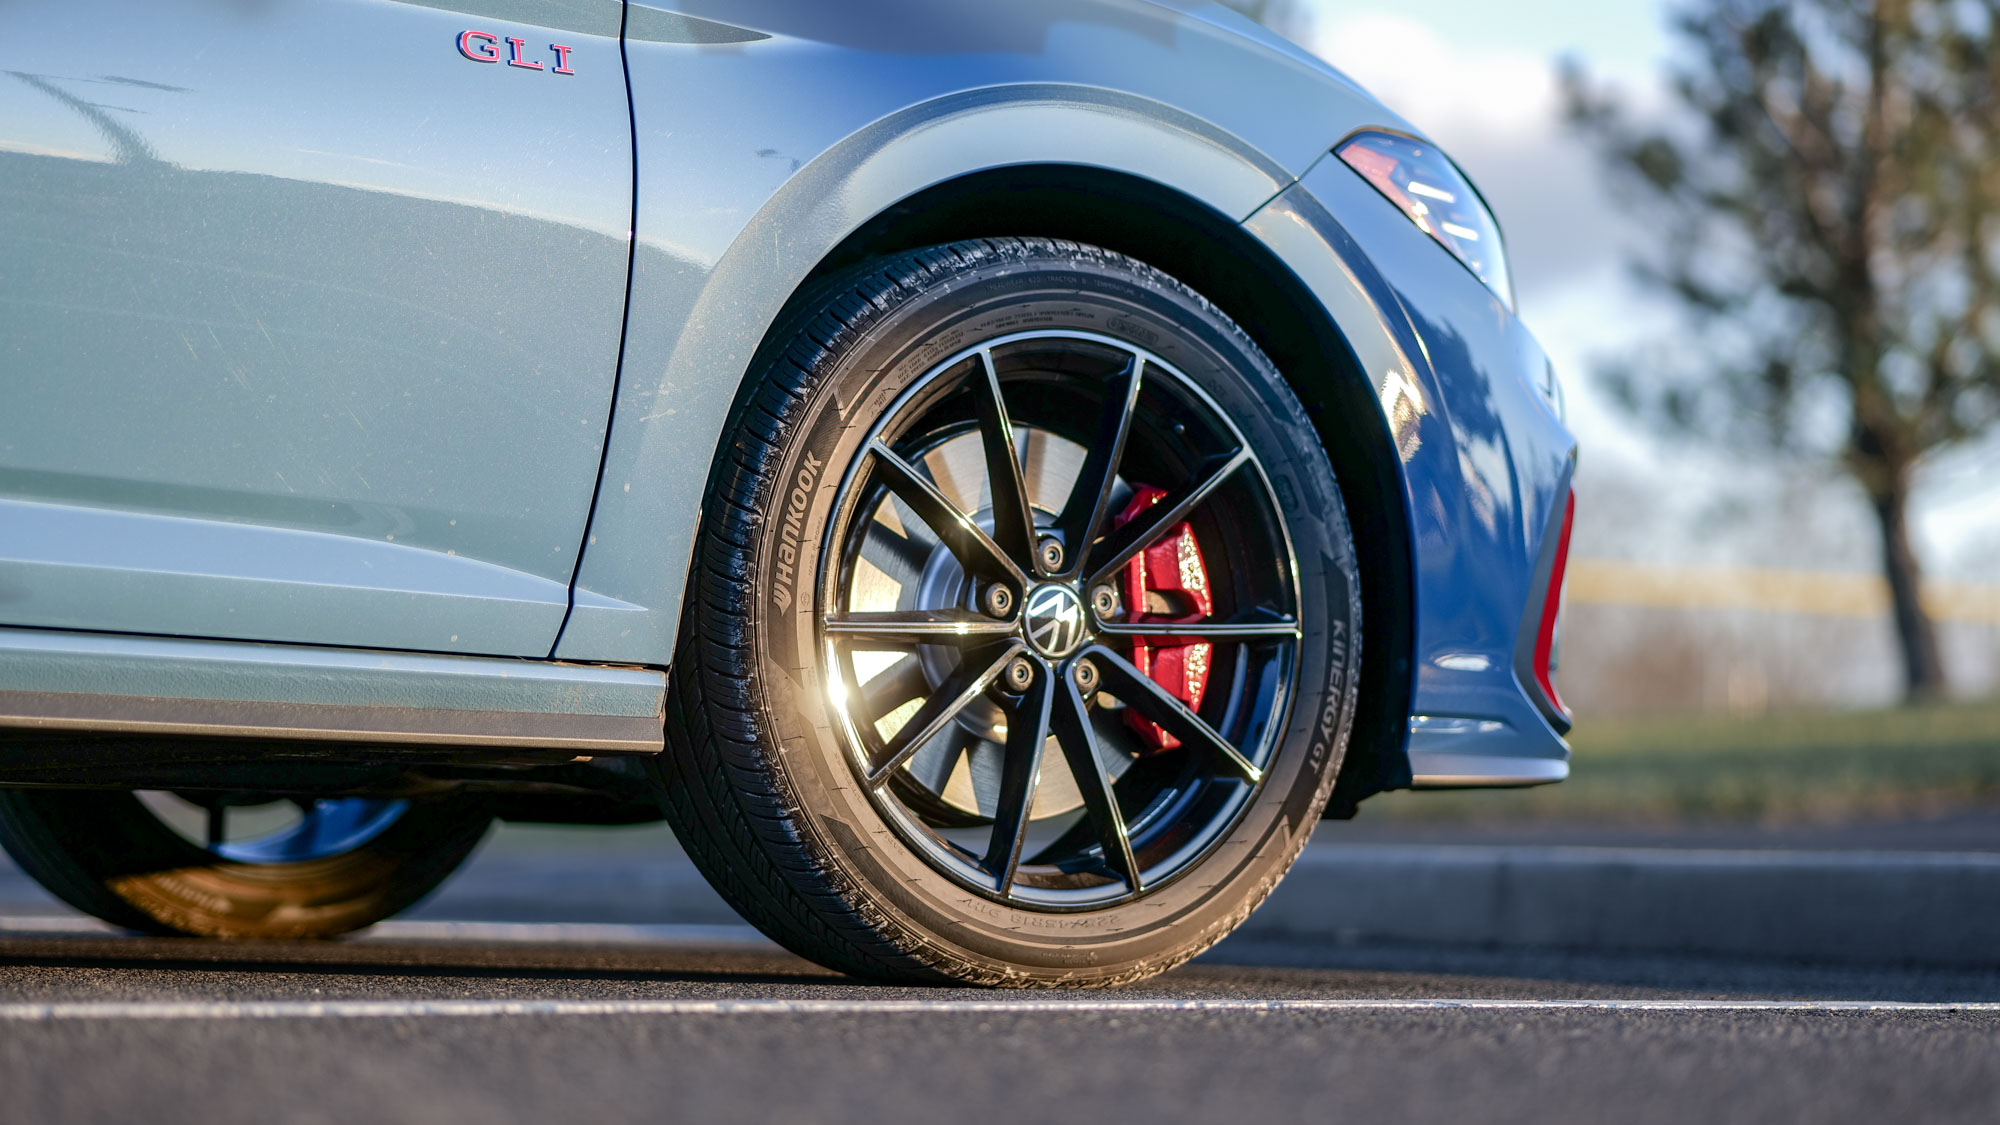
x,y
991,476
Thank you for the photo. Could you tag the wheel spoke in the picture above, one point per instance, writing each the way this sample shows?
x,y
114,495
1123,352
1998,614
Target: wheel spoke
x,y
899,556
1090,496
1140,693
974,549
919,626
1013,519
1027,731
960,688
1153,522
1071,722
1249,627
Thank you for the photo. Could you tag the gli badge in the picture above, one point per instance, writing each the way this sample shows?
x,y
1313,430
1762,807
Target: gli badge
x,y
484,46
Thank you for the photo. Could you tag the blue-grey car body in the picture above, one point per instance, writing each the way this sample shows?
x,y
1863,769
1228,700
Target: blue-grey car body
x,y
310,325
320,333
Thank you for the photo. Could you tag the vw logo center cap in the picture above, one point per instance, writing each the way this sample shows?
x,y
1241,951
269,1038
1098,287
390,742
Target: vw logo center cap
x,y
1055,621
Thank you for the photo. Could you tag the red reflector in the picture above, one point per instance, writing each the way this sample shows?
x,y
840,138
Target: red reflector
x,y
1545,638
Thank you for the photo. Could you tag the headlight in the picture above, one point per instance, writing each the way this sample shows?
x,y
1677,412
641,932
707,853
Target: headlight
x,y
1430,189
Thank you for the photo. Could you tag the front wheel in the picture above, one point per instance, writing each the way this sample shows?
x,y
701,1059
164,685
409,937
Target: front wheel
x,y
209,865
1024,627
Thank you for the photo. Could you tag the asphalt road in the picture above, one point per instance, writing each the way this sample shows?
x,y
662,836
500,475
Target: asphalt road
x,y
510,1020
111,1029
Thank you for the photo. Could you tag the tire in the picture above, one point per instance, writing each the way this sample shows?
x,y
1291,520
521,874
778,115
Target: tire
x,y
107,854
806,819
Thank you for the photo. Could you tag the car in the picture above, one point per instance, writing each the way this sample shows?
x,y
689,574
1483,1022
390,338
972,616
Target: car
x,y
992,477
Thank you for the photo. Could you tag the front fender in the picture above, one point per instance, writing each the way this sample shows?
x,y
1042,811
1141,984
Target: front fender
x,y
697,317
1485,462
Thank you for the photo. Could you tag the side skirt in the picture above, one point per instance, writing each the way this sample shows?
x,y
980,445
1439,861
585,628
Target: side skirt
x,y
75,689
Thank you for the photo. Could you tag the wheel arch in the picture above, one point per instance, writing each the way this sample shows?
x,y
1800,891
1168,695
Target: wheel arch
x,y
696,323
1218,258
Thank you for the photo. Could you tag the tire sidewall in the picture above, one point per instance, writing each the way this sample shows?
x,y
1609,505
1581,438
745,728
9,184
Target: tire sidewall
x,y
854,384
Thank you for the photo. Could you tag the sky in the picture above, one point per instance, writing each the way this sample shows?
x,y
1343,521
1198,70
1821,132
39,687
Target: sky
x,y
1480,78
1627,36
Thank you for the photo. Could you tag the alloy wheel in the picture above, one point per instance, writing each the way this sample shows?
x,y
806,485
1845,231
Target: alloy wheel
x,y
1058,609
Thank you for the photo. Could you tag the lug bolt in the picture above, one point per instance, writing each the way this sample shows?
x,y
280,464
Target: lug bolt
x,y
1020,674
1104,601
997,600
1086,676
1052,553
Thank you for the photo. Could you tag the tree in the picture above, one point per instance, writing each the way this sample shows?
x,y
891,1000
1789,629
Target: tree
x,y
1828,203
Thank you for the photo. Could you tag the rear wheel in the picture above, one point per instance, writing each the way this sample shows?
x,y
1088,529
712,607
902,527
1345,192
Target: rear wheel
x,y
1022,639
237,867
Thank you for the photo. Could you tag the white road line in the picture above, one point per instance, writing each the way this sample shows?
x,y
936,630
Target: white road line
x,y
533,933
52,924
464,1009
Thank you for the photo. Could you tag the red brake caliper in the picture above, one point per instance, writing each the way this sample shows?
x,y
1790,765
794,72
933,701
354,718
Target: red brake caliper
x,y
1166,583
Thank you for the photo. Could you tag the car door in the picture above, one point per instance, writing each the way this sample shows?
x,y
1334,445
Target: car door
x,y
309,315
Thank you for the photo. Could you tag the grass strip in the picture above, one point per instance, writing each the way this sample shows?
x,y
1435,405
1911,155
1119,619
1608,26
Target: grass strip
x,y
1787,768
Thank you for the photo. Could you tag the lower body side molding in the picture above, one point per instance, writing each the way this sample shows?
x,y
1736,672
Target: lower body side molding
x,y
79,695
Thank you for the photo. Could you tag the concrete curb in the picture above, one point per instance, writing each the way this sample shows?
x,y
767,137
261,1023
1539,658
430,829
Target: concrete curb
x,y
1939,908
1913,908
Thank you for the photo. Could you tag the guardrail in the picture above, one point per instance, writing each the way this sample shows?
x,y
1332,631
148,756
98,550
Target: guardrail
x,y
1616,582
